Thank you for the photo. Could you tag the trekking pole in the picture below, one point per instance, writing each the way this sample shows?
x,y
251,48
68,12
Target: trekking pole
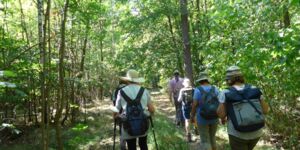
x,y
115,128
151,121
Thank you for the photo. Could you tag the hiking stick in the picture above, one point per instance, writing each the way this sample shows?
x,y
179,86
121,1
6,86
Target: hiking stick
x,y
151,121
115,128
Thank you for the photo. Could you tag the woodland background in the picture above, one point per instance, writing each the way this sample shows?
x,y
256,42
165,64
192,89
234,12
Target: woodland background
x,y
56,56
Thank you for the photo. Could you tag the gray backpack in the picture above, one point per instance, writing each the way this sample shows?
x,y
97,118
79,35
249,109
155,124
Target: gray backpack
x,y
244,109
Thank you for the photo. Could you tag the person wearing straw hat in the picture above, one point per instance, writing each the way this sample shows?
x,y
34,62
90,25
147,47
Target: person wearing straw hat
x,y
174,86
207,127
237,91
122,84
132,91
186,98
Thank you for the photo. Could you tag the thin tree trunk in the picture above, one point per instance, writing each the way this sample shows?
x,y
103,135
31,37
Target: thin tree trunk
x,y
286,17
84,48
179,63
41,35
186,41
101,73
23,24
61,94
46,68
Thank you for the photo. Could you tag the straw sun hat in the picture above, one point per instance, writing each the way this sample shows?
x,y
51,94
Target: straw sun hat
x,y
133,76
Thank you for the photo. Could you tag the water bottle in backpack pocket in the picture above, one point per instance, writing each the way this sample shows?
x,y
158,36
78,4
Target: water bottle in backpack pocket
x,y
209,104
244,109
135,121
187,97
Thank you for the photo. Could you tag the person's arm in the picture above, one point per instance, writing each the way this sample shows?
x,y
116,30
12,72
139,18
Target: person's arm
x,y
264,105
118,104
196,98
180,96
151,108
221,111
150,105
170,91
193,111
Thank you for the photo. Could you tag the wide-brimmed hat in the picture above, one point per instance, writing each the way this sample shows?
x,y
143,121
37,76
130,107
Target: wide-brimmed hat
x,y
186,82
133,76
203,76
233,71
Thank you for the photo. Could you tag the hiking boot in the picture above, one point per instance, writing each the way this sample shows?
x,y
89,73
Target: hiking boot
x,y
189,137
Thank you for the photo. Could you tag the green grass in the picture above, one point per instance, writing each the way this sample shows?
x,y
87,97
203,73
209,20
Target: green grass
x,y
168,136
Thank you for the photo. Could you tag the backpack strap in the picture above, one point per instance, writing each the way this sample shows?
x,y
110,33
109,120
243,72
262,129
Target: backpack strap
x,y
140,94
138,97
212,90
200,88
117,91
203,93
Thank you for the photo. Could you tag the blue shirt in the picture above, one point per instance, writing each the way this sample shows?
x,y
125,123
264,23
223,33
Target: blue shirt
x,y
197,97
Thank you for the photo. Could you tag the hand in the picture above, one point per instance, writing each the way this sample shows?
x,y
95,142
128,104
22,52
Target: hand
x,y
192,120
223,121
115,115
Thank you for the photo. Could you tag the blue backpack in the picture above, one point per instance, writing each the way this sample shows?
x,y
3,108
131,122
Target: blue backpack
x,y
136,122
244,109
210,103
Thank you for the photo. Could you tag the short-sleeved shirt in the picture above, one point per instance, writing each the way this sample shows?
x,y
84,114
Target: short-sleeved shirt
x,y
175,86
131,91
197,97
230,128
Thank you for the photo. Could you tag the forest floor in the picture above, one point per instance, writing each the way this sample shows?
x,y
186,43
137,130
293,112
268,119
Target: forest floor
x,y
97,132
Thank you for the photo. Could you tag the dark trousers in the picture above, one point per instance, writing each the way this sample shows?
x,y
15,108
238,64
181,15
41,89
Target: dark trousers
x,y
178,109
241,144
142,143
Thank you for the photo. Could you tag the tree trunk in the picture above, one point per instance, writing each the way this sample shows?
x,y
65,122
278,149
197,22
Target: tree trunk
x,y
23,24
84,48
41,36
286,17
179,63
186,41
46,68
61,94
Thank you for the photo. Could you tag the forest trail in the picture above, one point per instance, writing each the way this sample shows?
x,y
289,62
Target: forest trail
x,y
97,132
164,111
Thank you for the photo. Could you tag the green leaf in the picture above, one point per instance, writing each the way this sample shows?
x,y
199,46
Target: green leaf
x,y
294,2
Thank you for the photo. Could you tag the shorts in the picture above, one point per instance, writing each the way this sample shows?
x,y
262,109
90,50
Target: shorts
x,y
186,111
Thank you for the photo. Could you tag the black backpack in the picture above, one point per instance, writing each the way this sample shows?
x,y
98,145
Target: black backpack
x,y
187,97
210,103
136,123
244,109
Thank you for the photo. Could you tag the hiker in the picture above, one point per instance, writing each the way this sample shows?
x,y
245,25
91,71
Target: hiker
x,y
186,99
136,103
245,127
122,84
175,84
206,103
